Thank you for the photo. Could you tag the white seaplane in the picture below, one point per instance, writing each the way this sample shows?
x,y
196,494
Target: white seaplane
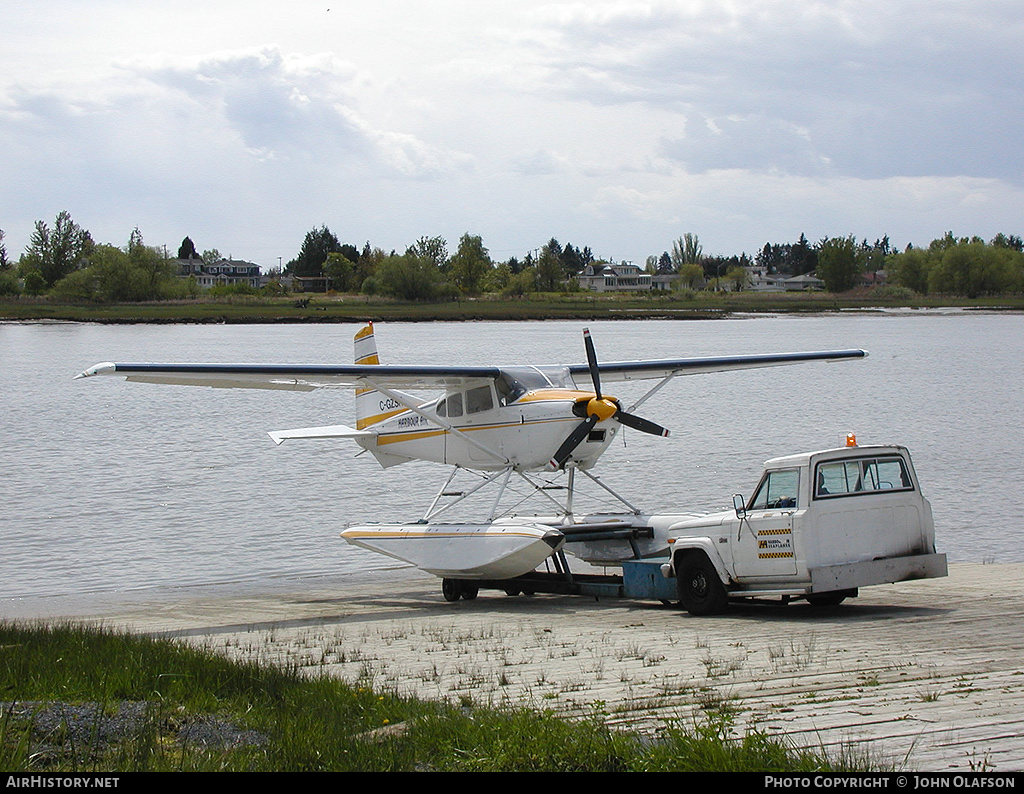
x,y
497,423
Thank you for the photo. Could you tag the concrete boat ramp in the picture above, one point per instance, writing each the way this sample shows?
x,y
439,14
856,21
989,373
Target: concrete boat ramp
x,y
922,676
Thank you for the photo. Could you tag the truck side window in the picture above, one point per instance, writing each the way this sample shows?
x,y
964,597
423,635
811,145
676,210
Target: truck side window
x,y
838,478
885,474
861,476
778,489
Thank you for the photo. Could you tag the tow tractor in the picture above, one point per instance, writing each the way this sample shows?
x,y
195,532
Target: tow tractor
x,y
819,526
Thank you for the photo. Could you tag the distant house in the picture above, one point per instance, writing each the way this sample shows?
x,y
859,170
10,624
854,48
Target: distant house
x,y
873,278
311,283
285,280
603,277
759,280
663,281
804,282
226,271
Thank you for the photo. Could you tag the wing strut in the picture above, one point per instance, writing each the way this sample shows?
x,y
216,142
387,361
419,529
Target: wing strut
x,y
651,392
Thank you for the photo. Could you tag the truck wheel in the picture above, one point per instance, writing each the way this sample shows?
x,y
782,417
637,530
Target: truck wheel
x,y
833,599
699,589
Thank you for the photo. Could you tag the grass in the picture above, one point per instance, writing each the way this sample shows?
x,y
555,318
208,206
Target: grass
x,y
538,306
77,698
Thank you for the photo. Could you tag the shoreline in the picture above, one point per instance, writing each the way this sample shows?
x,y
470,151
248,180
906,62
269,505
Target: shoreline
x,y
923,670
327,309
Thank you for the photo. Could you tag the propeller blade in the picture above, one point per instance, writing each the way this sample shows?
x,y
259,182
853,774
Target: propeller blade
x,y
598,408
574,439
595,374
641,424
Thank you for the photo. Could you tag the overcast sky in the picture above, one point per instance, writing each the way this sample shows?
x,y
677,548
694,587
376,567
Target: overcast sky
x,y
615,125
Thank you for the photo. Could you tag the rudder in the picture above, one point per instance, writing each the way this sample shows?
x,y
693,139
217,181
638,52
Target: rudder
x,y
372,406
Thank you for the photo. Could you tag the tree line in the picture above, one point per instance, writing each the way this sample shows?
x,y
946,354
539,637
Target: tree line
x,y
427,271
64,262
962,266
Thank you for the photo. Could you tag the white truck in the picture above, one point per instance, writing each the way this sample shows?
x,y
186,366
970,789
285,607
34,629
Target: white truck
x,y
819,526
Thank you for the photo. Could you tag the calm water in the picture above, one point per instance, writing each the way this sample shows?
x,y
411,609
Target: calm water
x,y
112,486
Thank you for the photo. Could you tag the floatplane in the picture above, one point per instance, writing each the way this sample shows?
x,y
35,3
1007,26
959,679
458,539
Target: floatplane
x,y
499,423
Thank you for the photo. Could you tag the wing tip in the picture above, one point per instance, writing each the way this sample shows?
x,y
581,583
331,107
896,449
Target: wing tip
x,y
106,368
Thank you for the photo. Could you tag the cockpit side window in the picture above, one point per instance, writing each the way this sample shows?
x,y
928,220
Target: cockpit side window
x,y
450,405
509,389
479,399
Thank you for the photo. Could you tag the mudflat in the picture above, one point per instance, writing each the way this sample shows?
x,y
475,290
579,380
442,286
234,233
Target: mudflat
x,y
924,675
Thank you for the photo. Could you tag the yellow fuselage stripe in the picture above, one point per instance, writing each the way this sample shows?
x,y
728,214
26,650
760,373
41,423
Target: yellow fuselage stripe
x,y
362,424
541,395
424,535
547,395
391,438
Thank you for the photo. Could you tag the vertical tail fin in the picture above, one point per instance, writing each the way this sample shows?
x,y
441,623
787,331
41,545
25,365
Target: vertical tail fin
x,y
371,406
365,346
367,404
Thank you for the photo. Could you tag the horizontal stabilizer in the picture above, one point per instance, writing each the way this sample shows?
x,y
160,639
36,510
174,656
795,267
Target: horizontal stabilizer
x,y
327,431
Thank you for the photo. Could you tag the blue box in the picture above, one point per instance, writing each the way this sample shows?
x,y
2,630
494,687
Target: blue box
x,y
643,579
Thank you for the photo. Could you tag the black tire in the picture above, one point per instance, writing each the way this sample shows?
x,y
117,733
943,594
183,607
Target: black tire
x,y
833,599
451,589
699,589
469,591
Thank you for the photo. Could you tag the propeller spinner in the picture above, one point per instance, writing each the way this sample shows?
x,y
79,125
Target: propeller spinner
x,y
599,408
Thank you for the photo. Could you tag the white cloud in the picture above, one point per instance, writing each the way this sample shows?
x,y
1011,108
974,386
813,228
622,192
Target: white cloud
x,y
617,125
877,88
230,135
540,162
298,108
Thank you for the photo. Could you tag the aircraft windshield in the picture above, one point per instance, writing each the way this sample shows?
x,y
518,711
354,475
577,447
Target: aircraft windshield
x,y
516,381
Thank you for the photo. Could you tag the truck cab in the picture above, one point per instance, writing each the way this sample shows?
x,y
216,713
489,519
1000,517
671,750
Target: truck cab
x,y
818,526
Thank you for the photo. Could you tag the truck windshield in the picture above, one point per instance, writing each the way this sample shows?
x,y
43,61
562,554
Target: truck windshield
x,y
777,489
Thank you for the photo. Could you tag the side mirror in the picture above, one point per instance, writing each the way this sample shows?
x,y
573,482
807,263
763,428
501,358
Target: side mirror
x,y
739,505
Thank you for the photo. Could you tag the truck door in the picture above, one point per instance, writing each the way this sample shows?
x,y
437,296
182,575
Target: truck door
x,y
762,540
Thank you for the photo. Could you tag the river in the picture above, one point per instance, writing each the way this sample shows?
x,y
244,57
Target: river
x,y
115,487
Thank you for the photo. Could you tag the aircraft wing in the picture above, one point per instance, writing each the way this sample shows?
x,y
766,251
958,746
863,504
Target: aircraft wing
x,y
316,376
663,368
298,378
